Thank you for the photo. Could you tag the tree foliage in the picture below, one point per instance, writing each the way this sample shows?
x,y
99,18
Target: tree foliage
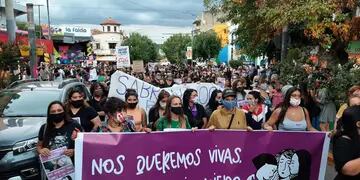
x,y
235,63
175,47
259,21
24,26
141,48
9,60
206,45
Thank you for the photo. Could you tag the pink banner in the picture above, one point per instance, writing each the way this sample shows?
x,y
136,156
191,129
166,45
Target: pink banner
x,y
227,155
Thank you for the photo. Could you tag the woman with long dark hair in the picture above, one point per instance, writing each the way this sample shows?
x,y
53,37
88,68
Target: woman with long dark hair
x,y
193,110
98,92
214,103
174,116
239,87
158,110
346,145
255,110
134,111
290,116
116,120
78,109
59,131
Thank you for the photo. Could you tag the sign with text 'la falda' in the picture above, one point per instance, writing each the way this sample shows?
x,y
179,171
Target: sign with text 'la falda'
x,y
202,155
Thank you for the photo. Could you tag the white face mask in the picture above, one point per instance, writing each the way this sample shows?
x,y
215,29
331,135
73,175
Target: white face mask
x,y
162,105
295,102
196,99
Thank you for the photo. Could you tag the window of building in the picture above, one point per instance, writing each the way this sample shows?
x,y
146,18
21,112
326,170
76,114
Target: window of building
x,y
97,45
112,45
108,29
115,30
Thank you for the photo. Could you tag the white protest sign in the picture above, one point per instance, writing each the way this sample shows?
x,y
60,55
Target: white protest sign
x,y
122,56
148,93
121,81
204,90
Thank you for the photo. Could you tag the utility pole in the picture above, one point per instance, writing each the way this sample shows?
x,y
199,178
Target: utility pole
x,y
48,13
10,20
284,42
31,30
39,11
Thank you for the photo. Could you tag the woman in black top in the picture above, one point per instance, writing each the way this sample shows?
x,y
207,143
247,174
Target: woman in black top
x,y
158,110
346,145
214,103
78,109
59,131
98,92
193,110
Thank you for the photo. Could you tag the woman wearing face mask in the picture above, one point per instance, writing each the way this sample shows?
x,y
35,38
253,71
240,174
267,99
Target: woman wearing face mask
x,y
229,116
256,111
215,102
78,109
133,110
346,145
290,116
116,121
59,131
158,110
174,116
193,110
98,99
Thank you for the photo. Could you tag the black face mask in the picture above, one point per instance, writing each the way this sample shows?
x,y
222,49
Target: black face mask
x,y
132,105
177,110
56,118
77,103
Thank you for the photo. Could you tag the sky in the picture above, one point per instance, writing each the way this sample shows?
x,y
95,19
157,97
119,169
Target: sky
x,y
156,18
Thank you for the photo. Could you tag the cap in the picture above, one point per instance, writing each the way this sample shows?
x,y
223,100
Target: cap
x,y
228,92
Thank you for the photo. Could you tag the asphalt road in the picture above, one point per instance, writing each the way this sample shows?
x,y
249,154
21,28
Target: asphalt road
x,y
330,172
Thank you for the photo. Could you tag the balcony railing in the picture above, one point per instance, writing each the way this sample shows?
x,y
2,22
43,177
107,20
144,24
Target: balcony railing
x,y
104,51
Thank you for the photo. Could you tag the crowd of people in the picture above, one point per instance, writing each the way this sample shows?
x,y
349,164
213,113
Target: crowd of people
x,y
253,99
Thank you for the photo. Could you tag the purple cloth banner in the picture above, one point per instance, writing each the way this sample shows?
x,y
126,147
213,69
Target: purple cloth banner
x,y
225,155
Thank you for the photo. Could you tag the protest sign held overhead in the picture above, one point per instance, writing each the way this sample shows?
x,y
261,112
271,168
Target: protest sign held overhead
x,y
148,93
122,56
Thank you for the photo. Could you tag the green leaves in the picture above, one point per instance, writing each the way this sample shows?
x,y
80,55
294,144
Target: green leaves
x,y
206,45
175,47
141,48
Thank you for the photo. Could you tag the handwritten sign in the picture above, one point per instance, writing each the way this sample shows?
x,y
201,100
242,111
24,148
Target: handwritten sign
x,y
148,93
122,56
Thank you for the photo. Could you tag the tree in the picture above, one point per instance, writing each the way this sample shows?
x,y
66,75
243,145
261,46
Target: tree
x,y
206,45
317,22
9,60
235,63
24,26
141,48
175,47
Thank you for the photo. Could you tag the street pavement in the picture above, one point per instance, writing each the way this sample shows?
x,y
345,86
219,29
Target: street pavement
x,y
330,172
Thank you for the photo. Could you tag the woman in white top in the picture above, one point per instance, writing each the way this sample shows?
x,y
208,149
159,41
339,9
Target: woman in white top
x,y
290,116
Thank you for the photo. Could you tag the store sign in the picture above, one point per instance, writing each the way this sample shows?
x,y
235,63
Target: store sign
x,y
78,31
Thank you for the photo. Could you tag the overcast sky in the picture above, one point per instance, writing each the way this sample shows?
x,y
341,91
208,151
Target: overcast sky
x,y
174,14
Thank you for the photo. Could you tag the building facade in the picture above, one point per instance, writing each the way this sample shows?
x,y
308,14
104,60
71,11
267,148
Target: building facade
x,y
106,40
18,11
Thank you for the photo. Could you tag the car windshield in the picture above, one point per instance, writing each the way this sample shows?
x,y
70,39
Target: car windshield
x,y
26,103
